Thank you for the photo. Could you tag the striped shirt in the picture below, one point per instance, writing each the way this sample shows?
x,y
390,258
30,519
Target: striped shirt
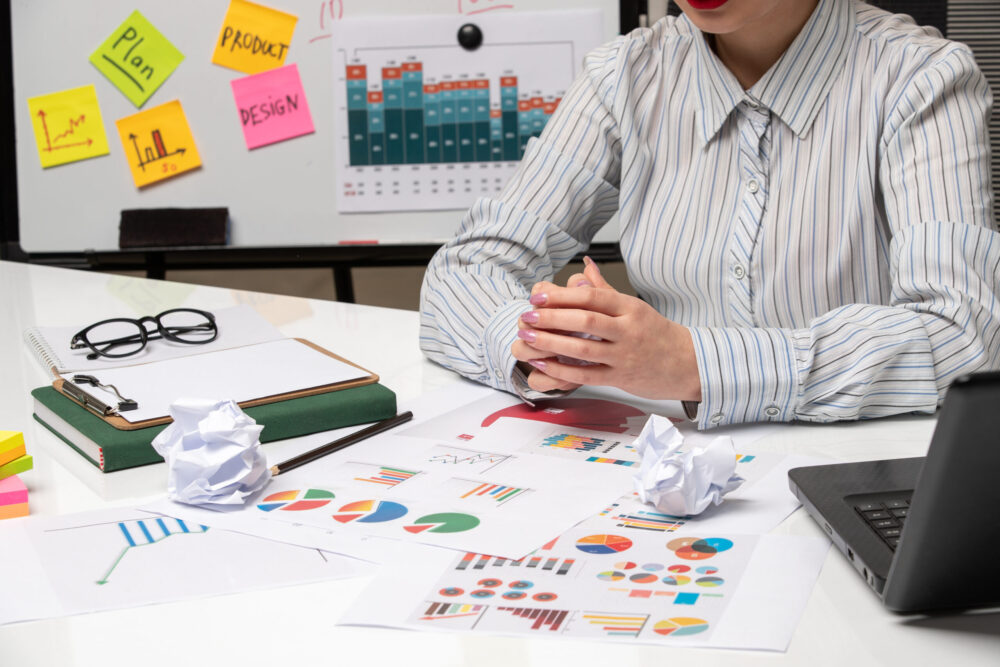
x,y
826,235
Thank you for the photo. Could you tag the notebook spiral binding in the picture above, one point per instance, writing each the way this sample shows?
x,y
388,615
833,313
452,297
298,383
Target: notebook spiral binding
x,y
42,350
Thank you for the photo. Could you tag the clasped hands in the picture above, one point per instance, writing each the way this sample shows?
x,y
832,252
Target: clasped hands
x,y
638,350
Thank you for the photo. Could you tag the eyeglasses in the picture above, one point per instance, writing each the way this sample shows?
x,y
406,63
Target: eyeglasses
x,y
123,337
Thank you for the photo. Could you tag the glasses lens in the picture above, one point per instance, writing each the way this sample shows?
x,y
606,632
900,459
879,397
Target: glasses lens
x,y
116,338
188,326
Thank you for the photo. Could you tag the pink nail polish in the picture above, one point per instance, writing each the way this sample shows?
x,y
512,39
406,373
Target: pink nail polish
x,y
529,317
589,262
538,363
583,283
526,335
538,299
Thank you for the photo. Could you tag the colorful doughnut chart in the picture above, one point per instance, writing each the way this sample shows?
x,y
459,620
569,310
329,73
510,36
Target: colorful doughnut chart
x,y
296,500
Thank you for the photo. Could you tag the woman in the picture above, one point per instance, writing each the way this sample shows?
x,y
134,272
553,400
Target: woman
x,y
804,197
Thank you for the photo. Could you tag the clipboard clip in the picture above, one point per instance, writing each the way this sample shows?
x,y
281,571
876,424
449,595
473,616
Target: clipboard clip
x,y
94,404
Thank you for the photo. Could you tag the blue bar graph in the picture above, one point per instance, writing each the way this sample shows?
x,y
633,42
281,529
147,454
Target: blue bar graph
x,y
405,118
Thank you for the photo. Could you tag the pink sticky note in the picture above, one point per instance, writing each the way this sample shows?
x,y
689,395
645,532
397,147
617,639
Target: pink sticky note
x,y
272,106
13,491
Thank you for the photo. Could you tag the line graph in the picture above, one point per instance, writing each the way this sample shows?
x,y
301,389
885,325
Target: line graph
x,y
144,532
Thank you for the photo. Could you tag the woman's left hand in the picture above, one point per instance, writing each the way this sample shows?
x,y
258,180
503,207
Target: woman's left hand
x,y
640,351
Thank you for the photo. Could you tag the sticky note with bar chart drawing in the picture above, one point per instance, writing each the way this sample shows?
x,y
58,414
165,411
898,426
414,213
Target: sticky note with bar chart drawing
x,y
158,143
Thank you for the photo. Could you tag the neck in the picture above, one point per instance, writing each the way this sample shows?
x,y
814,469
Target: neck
x,y
752,49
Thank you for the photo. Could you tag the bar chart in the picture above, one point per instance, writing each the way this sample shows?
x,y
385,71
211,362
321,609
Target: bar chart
x,y
396,116
422,123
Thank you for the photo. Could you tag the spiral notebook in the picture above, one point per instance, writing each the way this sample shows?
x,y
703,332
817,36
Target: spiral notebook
x,y
238,326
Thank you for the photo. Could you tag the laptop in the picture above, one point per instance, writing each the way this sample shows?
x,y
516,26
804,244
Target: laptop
x,y
923,532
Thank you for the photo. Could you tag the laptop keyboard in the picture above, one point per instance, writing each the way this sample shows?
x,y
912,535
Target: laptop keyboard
x,y
886,515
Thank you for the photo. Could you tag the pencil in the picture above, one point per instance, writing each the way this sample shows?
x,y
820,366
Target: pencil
x,y
340,443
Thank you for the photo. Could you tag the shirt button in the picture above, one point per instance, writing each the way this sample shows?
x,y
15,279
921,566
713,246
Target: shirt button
x,y
498,374
716,418
771,411
739,272
752,187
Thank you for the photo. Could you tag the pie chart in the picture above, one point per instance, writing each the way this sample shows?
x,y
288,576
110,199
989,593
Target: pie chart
x,y
680,626
603,544
611,575
694,548
370,511
443,522
676,580
710,582
296,500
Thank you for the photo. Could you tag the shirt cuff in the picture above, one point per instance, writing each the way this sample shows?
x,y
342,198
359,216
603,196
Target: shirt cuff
x,y
501,366
747,375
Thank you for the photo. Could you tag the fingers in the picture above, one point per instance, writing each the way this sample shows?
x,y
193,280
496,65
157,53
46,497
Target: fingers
x,y
607,300
592,273
539,381
564,320
548,344
524,352
573,375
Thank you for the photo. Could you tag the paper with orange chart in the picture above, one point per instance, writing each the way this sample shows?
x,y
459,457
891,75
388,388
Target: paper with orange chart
x,y
158,143
68,126
253,38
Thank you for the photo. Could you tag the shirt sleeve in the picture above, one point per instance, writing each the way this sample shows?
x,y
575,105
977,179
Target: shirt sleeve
x,y
563,192
943,318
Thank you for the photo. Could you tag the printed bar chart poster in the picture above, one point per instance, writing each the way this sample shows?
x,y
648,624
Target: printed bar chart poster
x,y
422,123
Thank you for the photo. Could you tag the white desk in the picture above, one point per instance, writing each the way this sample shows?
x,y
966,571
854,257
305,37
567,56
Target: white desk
x,y
843,623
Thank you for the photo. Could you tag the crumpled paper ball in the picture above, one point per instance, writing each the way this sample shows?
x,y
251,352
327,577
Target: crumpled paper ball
x,y
678,480
213,453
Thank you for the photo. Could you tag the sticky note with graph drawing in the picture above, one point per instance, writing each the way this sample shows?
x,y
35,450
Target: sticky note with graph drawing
x,y
158,143
68,126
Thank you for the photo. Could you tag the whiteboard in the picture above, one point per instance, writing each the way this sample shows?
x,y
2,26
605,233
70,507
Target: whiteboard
x,y
278,195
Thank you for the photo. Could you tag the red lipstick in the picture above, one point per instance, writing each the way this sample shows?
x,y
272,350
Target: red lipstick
x,y
706,4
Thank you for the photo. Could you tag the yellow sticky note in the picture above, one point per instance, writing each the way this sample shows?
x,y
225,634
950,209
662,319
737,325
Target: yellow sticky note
x,y
11,446
254,38
68,126
158,143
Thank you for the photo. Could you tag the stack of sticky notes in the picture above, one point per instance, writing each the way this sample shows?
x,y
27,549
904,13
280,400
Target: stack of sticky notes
x,y
13,459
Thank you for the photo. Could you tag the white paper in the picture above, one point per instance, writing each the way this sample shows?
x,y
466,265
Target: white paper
x,y
479,487
213,454
238,325
238,374
468,434
682,478
119,558
696,589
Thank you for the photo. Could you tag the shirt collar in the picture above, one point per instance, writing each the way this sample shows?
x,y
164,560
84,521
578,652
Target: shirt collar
x,y
795,86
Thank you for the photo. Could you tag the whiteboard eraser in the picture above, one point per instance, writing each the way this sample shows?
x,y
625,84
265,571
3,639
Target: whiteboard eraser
x,y
172,227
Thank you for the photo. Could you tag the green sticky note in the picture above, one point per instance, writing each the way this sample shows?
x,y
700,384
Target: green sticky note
x,y
136,58
16,466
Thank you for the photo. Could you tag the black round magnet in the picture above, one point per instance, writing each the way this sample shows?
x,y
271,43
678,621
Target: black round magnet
x,y
470,37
